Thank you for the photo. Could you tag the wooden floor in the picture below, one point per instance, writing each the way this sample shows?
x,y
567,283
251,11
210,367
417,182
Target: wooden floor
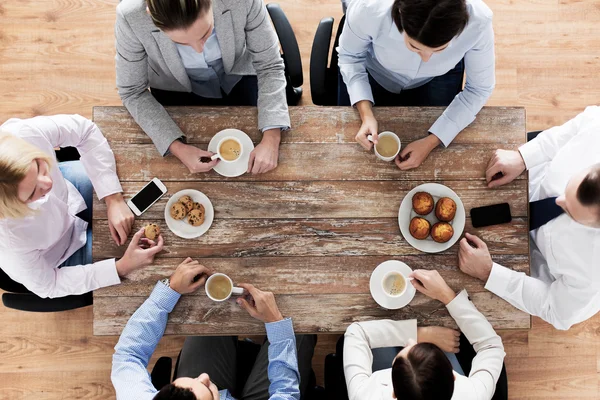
x,y
56,56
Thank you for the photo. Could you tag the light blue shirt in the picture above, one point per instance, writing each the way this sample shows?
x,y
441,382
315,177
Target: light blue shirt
x,y
205,70
147,326
371,42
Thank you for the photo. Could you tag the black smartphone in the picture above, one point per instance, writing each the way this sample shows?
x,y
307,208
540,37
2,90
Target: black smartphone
x,y
490,215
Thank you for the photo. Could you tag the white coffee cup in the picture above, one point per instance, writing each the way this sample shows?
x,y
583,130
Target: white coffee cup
x,y
387,284
220,156
232,289
386,134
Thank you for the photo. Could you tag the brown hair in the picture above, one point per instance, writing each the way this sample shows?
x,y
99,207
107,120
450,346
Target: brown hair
x,y
588,192
176,14
16,156
425,374
431,22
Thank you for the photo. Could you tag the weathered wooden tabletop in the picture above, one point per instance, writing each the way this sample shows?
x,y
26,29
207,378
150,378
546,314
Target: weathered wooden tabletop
x,y
312,230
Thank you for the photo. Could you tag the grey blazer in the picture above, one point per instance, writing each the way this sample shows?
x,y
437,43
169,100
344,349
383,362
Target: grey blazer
x,y
146,57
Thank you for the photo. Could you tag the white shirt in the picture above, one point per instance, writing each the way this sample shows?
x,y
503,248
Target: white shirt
x,y
361,337
565,256
33,247
372,42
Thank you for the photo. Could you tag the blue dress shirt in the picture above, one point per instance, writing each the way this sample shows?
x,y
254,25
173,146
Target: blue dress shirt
x,y
147,326
371,42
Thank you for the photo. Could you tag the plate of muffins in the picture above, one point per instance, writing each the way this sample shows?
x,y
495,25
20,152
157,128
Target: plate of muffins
x,y
189,213
431,217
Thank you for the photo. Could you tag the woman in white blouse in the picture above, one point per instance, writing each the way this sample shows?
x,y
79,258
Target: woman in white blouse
x,y
46,208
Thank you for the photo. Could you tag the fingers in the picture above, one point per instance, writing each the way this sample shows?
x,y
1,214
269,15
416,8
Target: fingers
x,y
465,246
375,137
499,182
250,288
251,161
113,234
137,237
475,239
246,306
492,169
361,138
418,286
121,232
159,246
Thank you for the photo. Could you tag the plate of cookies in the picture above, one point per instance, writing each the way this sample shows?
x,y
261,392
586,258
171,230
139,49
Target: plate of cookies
x,y
431,217
189,213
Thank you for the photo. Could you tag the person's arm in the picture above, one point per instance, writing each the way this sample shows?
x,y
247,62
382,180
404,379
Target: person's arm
x,y
359,339
132,85
545,146
283,361
79,132
34,272
556,303
263,45
138,342
354,44
487,364
481,80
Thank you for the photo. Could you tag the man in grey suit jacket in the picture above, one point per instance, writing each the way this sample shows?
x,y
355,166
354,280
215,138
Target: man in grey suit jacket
x,y
151,37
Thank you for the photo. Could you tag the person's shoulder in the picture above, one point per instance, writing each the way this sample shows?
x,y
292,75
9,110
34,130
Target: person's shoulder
x,y
371,9
479,13
132,8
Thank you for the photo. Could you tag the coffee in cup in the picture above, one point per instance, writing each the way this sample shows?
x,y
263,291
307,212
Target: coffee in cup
x,y
388,146
394,284
219,287
229,149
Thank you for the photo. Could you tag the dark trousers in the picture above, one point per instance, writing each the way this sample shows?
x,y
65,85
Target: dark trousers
x,y
218,357
440,91
244,93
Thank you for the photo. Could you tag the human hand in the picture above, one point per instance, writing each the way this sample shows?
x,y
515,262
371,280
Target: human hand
x,y
368,127
264,157
189,276
260,305
474,261
504,167
120,218
190,157
445,338
416,152
431,284
139,253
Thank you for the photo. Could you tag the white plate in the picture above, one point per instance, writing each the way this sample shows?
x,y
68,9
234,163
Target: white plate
x,y
180,227
377,292
406,214
240,166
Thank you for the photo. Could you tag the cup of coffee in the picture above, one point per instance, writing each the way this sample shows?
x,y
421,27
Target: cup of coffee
x,y
394,284
229,149
219,287
388,146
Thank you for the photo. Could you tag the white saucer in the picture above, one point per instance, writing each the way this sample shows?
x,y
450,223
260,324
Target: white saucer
x,y
240,166
377,292
406,214
180,227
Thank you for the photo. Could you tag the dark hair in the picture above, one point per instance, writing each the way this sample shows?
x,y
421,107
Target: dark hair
x,y
425,374
588,192
172,392
176,14
431,22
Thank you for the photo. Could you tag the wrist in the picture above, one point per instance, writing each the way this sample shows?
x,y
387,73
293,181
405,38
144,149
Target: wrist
x,y
275,318
433,141
176,147
121,266
487,271
113,198
272,136
523,164
422,332
365,110
447,296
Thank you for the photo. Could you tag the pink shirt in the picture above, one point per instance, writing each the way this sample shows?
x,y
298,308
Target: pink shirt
x,y
32,248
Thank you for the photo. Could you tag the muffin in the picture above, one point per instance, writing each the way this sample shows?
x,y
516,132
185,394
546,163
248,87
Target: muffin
x,y
419,228
442,232
152,231
187,202
422,203
178,210
445,209
196,217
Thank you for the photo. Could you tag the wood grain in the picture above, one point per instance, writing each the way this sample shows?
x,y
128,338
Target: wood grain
x,y
332,313
320,199
308,238
318,124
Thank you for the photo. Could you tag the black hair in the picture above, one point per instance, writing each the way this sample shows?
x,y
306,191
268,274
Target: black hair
x,y
588,192
172,392
425,374
176,14
431,22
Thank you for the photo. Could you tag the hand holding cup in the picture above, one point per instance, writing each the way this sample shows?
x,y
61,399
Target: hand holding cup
x,y
189,276
431,284
260,305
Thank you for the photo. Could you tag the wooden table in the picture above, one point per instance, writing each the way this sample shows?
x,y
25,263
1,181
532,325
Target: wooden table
x,y
312,230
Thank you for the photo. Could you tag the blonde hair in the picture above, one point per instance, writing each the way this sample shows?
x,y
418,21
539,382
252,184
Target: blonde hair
x,y
16,156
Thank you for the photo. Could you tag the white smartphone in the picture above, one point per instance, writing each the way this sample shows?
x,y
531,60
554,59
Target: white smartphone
x,y
149,195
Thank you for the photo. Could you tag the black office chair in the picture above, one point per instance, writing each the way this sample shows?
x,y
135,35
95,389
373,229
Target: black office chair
x,y
289,52
335,381
247,351
324,78
532,135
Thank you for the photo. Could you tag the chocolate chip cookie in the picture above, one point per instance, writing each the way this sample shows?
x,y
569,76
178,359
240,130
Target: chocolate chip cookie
x,y
187,202
196,217
152,231
178,211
